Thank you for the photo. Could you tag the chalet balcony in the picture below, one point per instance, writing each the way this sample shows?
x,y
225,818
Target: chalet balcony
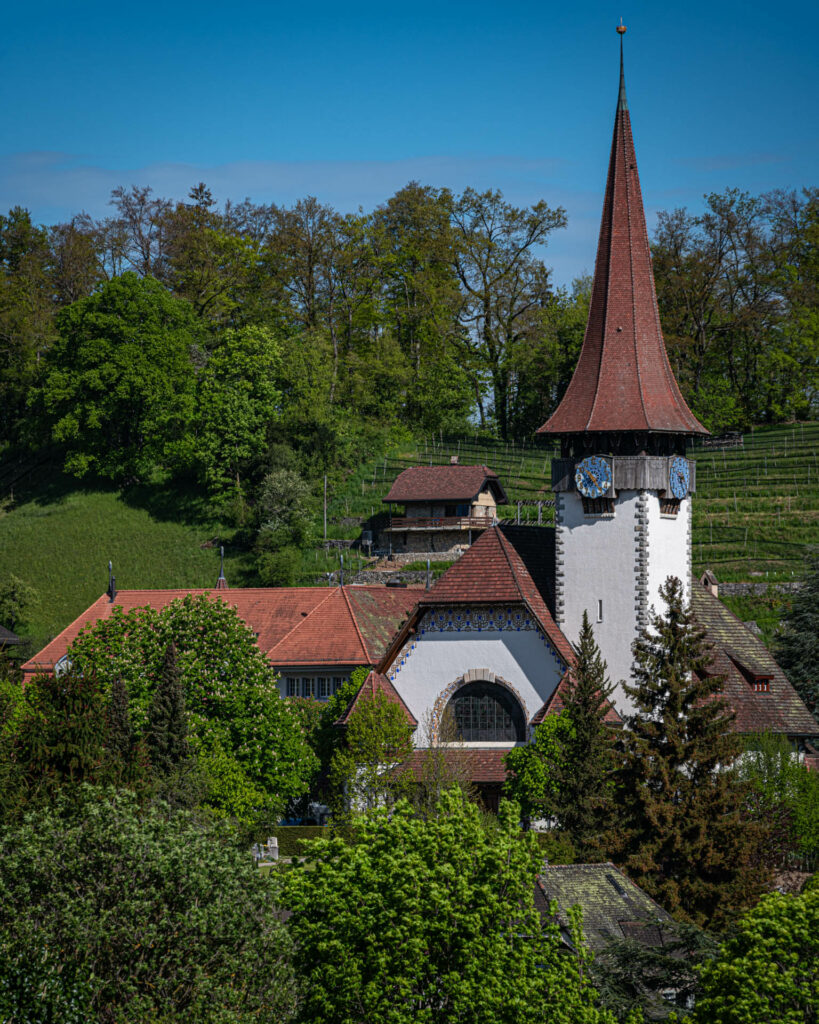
x,y
403,524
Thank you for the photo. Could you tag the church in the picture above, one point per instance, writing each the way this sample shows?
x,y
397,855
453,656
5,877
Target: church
x,y
492,639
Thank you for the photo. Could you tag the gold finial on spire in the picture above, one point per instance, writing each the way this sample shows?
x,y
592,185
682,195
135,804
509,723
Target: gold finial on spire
x,y
621,28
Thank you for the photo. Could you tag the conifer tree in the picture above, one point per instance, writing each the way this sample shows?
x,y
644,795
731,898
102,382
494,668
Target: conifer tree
x,y
583,773
797,646
684,835
120,734
125,756
167,724
566,773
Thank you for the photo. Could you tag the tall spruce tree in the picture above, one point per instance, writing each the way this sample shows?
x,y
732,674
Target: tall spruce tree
x,y
167,721
797,646
684,835
583,773
125,758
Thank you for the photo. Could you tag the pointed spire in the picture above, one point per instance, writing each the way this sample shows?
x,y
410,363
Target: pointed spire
x,y
622,102
623,382
222,583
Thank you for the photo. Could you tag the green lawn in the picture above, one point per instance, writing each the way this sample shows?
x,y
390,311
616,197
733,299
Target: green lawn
x,y
59,537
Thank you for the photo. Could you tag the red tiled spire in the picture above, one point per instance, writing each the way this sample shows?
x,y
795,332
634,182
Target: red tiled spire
x,y
623,380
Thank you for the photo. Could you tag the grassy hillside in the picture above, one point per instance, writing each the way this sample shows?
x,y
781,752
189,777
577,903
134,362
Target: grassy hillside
x,y
756,515
59,537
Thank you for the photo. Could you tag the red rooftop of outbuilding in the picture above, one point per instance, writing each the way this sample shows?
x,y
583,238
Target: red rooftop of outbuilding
x,y
445,483
623,380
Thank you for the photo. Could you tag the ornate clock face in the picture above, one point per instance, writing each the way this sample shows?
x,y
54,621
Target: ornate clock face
x,y
679,476
592,476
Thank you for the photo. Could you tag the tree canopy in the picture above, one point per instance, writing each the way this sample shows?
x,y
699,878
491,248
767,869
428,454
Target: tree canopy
x,y
245,738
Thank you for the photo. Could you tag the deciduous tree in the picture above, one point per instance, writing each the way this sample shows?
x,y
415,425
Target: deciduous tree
x,y
426,920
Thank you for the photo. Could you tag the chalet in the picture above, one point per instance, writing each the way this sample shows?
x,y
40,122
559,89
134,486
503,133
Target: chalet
x,y
441,508
9,641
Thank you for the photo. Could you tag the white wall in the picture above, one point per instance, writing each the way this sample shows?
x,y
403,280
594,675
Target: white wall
x,y
598,558
622,560
439,654
668,549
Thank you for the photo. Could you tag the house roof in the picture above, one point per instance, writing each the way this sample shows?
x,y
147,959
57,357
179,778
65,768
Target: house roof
x,y
613,906
445,483
557,701
8,639
373,684
623,380
476,764
740,656
506,565
293,625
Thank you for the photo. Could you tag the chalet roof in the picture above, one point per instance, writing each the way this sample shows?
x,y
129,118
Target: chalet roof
x,y
740,657
506,565
373,684
445,483
307,626
623,380
557,701
9,639
613,906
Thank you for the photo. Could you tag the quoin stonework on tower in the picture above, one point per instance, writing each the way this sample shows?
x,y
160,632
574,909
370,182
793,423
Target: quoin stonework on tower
x,y
623,483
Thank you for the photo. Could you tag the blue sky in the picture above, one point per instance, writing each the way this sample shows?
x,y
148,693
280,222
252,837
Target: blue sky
x,y
349,101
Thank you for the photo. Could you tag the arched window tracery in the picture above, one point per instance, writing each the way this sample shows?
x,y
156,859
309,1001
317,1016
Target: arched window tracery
x,y
485,712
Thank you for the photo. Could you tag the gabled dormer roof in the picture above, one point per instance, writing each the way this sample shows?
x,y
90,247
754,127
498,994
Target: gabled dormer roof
x,y
445,483
623,381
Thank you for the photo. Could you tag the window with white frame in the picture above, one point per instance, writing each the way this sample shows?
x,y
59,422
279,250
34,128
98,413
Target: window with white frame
x,y
325,687
292,686
308,686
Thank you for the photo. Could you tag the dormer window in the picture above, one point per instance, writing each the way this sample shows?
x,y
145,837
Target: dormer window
x,y
762,684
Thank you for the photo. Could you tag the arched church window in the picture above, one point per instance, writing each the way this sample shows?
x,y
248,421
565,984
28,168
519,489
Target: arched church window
x,y
486,712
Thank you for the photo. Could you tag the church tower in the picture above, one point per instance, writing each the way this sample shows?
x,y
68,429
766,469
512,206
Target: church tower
x,y
623,484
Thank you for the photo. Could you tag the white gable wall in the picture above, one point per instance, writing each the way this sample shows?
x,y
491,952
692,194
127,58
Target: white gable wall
x,y
504,641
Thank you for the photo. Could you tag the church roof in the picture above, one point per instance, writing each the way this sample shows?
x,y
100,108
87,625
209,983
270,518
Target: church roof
x,y
375,683
445,483
513,565
293,625
742,659
623,380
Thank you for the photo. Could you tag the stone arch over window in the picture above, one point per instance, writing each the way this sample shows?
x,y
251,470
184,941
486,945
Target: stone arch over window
x,y
483,707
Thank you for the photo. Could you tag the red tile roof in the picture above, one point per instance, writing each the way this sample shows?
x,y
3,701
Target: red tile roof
x,y
373,684
445,483
739,656
493,571
555,704
623,380
293,625
478,764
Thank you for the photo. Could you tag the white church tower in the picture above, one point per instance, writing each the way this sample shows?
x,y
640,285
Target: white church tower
x,y
623,483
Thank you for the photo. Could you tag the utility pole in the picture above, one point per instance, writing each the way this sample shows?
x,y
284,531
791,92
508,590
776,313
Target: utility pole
x,y
325,506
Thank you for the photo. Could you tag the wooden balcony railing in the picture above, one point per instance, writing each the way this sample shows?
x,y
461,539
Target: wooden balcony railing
x,y
441,522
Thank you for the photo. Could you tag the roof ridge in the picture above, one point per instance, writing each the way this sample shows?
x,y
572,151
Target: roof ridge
x,y
503,542
355,622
